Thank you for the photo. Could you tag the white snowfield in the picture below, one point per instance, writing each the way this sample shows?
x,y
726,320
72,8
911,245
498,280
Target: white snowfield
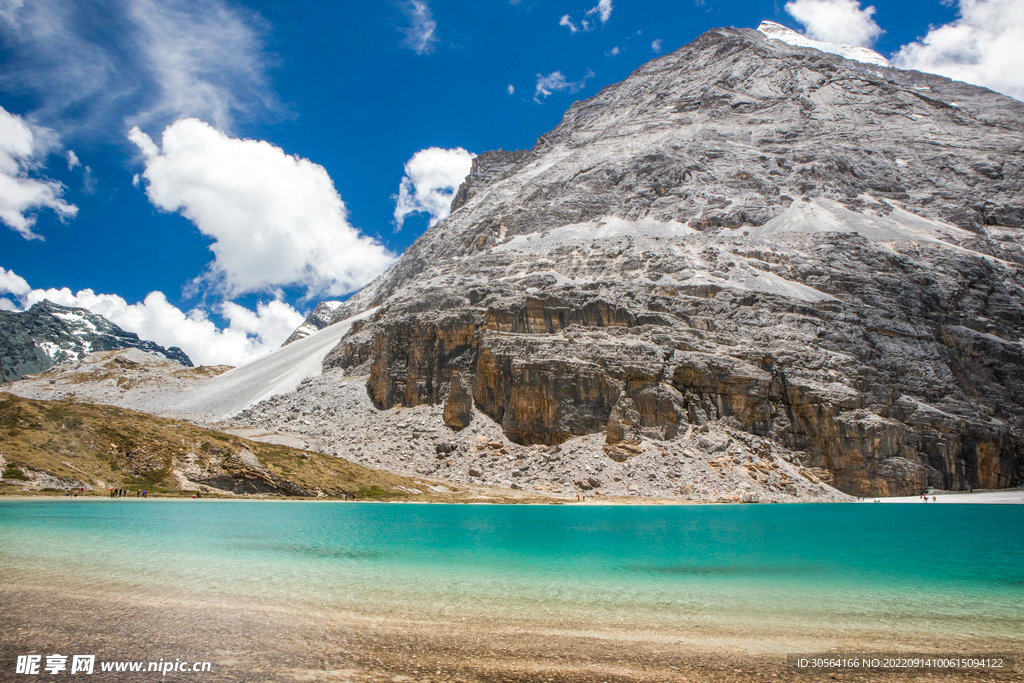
x,y
788,35
279,372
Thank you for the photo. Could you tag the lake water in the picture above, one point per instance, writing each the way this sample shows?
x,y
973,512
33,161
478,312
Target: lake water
x,y
763,571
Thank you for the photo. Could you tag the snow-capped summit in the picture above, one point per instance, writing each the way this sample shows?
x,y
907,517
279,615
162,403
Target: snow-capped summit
x,y
48,333
788,35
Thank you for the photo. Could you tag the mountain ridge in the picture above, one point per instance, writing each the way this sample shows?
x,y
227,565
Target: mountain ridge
x,y
48,334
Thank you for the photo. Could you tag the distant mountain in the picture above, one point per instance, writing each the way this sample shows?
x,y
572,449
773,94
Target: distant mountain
x,y
318,319
47,334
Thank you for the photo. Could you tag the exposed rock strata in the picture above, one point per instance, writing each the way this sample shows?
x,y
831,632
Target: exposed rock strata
x,y
718,461
827,253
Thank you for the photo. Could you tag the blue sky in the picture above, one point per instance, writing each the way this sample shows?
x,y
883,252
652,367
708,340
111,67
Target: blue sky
x,y
343,92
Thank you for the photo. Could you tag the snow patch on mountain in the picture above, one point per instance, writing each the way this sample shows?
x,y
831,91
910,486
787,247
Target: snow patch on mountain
x,y
788,35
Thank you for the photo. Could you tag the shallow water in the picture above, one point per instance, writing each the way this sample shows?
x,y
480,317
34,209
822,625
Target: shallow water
x,y
957,571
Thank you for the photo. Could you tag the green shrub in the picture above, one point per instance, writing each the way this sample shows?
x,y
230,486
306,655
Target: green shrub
x,y
12,472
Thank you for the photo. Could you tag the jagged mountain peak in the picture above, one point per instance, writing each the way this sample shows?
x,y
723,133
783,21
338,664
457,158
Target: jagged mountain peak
x,y
47,334
318,319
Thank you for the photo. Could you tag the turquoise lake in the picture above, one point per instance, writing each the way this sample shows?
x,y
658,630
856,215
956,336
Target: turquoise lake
x,y
957,570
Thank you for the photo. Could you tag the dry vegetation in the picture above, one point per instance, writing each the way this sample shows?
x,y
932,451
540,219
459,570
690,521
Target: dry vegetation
x,y
61,445
56,447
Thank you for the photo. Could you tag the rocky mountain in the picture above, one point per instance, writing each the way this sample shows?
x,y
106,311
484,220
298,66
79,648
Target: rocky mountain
x,y
318,319
765,244
47,334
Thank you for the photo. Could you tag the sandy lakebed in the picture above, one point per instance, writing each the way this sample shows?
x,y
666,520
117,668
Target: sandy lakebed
x,y
363,592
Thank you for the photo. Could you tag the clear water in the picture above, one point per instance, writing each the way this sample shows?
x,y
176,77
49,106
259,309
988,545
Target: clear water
x,y
957,570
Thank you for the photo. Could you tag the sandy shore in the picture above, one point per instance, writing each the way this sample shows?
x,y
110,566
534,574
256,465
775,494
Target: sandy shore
x,y
481,496
251,641
1004,497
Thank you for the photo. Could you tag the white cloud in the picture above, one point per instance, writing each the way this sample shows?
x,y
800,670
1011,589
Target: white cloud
x,y
249,334
983,46
206,60
567,22
9,9
20,193
88,180
431,179
511,89
70,78
556,82
72,160
171,59
656,46
842,22
603,10
12,283
614,51
421,33
276,219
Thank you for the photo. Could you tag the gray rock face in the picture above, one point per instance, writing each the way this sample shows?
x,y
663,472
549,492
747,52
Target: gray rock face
x,y
318,319
824,253
47,334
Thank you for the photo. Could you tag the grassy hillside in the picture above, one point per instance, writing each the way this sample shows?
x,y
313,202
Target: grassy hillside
x,y
59,445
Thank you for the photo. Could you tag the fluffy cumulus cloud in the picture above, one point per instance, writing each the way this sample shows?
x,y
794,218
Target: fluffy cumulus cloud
x,y
603,10
276,219
842,22
656,46
12,283
421,31
20,193
983,46
567,22
556,82
511,89
248,335
431,179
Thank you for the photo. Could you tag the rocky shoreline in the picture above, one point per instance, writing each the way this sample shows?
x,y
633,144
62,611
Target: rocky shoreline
x,y
717,462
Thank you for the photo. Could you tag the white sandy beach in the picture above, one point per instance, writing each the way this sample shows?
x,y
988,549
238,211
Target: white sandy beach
x,y
1004,497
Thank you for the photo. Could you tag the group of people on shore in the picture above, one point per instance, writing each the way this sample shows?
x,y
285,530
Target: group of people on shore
x,y
122,493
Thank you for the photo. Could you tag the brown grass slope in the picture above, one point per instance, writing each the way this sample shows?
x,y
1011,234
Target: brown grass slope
x,y
63,445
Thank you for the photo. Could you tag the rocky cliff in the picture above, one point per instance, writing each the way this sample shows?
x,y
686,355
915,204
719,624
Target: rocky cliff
x,y
47,334
823,253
